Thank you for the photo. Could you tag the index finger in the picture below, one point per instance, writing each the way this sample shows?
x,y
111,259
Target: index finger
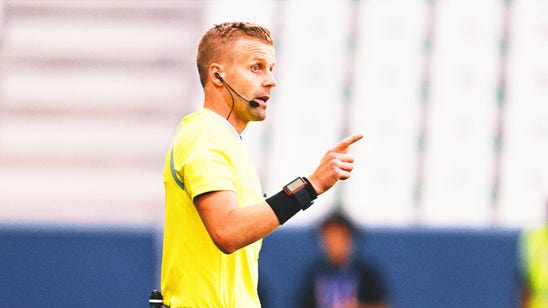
x,y
343,145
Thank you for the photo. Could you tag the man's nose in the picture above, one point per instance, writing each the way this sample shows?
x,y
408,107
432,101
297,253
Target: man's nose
x,y
270,81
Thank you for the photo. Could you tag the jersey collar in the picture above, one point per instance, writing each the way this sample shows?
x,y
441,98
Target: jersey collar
x,y
232,129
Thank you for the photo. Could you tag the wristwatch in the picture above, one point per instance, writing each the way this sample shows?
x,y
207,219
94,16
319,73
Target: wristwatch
x,y
298,189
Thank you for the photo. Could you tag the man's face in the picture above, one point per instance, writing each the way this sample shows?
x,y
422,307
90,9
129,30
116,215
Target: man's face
x,y
337,242
249,70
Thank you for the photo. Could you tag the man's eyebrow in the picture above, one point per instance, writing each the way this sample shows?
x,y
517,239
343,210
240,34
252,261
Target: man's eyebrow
x,y
262,61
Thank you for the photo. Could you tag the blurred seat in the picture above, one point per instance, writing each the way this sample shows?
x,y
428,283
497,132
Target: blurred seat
x,y
91,93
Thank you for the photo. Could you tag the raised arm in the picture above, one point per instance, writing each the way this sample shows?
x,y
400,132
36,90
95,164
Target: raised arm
x,y
232,227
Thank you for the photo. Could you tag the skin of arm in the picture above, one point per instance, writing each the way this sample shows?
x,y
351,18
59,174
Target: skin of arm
x,y
232,227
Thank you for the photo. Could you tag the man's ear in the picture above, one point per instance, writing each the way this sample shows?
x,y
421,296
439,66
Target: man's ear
x,y
216,74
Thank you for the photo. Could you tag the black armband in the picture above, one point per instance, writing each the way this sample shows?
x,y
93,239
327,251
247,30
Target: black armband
x,y
295,196
311,191
284,206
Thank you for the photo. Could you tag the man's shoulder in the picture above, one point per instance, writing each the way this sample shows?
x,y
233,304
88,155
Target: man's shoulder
x,y
202,122
205,118
201,115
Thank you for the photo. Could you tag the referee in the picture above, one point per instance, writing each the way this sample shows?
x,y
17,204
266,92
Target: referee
x,y
216,215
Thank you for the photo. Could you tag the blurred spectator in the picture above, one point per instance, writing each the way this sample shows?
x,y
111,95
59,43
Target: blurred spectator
x,y
340,278
533,248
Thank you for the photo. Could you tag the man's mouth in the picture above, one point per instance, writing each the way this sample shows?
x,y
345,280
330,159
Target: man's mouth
x,y
263,99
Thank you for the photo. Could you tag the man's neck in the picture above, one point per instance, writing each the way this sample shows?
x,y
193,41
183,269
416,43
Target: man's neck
x,y
237,125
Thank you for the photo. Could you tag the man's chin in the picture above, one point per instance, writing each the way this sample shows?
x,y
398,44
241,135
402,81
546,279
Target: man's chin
x,y
259,116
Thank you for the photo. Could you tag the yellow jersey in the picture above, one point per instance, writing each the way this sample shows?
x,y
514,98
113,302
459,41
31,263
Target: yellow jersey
x,y
207,155
534,254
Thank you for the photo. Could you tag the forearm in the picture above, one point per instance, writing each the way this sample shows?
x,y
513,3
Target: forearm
x,y
232,227
246,225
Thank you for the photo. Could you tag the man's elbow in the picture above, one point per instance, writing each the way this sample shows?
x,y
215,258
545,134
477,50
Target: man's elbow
x,y
226,248
225,244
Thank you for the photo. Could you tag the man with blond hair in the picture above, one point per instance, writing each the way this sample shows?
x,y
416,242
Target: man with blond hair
x,y
216,212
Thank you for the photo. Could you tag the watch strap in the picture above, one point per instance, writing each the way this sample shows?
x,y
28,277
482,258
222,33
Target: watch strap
x,y
305,200
305,195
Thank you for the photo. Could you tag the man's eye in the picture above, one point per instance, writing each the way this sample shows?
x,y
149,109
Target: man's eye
x,y
255,68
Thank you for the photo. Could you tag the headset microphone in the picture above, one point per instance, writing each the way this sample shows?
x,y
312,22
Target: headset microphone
x,y
252,103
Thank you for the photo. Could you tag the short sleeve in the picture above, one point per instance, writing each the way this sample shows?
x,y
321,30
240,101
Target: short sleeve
x,y
207,171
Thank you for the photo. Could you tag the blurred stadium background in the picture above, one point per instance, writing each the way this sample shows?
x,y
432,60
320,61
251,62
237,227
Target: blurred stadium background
x,y
452,96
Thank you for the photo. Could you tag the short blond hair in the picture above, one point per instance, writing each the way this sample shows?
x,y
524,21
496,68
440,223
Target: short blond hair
x,y
221,36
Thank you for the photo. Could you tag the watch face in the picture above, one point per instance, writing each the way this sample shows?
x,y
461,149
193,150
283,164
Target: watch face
x,y
295,185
